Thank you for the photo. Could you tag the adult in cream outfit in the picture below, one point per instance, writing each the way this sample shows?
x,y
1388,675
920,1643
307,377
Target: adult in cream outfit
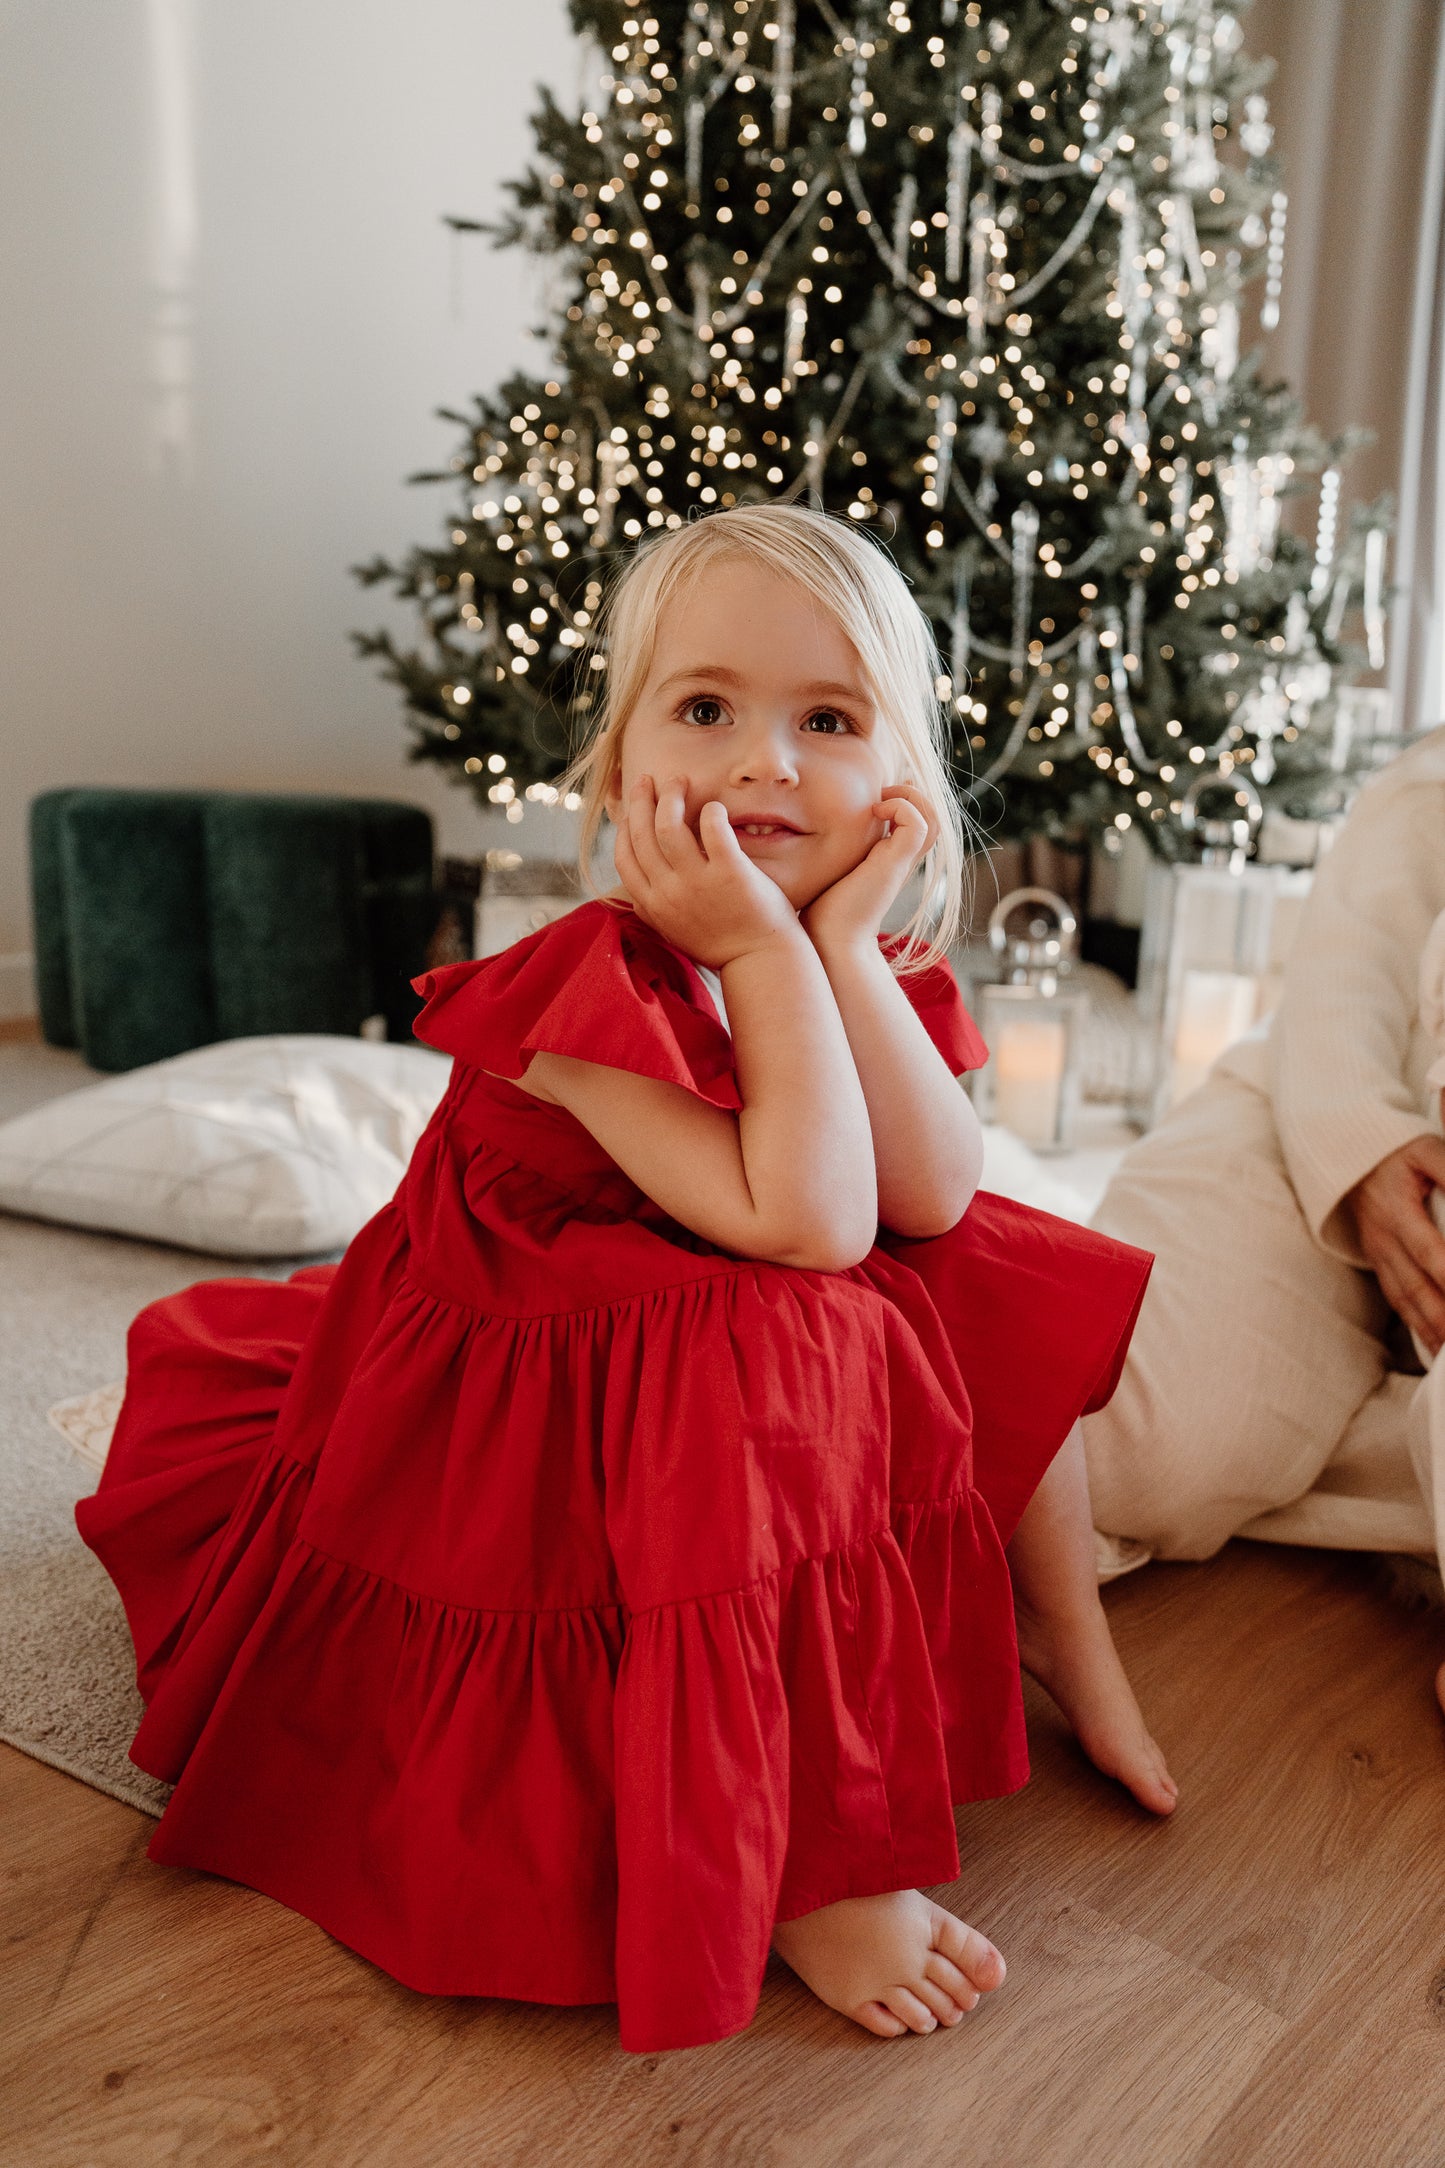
x,y
1274,1386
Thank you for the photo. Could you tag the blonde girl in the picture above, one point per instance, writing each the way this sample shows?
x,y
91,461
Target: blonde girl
x,y
620,1564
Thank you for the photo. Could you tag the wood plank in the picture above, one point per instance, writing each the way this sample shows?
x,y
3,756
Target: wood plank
x,y
1260,1981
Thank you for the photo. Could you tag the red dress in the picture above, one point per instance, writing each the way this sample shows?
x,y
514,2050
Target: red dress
x,y
546,1602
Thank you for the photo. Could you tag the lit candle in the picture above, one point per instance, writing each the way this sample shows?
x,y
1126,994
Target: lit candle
x,y
1028,1062
1215,1009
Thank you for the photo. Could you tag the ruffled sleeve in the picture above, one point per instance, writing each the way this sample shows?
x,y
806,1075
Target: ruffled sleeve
x,y
939,1005
596,984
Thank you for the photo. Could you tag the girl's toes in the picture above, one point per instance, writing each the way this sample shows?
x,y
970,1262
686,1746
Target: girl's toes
x,y
938,2000
946,1975
915,2015
972,1952
1156,1789
874,2018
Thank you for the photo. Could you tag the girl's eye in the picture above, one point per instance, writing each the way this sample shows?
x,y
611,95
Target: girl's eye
x,y
703,710
829,723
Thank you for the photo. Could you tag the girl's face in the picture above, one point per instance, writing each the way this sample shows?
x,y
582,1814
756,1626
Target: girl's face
x,y
756,697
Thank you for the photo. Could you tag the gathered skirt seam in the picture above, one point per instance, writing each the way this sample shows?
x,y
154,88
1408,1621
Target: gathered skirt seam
x,y
627,1611
731,1270
446,1603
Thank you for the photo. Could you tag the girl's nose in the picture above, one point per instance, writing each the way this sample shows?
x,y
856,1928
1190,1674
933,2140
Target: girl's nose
x,y
765,755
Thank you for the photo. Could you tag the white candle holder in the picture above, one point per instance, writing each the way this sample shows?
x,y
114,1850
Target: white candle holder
x,y
1032,1021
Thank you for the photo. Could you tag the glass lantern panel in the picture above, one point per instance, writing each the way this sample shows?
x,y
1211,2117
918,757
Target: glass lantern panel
x,y
1030,1083
1211,965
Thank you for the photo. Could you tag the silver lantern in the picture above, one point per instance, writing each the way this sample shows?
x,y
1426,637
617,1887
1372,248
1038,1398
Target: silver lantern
x,y
1032,1019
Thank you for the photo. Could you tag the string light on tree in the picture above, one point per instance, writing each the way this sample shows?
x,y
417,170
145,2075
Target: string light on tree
x,y
972,276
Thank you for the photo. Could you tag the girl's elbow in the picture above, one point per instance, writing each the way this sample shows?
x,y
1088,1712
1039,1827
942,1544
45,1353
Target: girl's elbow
x,y
831,1246
936,1215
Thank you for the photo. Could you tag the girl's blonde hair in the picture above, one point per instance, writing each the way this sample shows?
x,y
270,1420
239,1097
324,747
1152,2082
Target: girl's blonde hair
x,y
857,583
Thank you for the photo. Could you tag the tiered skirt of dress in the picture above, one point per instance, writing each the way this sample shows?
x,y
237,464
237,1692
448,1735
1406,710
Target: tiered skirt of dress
x,y
546,1602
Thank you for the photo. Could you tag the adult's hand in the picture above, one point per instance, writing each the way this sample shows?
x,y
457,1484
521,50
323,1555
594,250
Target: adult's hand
x,y
1404,1248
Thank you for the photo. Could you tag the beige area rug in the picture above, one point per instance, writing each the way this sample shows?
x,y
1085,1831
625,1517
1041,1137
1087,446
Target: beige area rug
x,y
67,1674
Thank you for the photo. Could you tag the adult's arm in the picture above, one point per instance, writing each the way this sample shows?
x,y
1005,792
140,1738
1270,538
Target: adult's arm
x,y
1340,1045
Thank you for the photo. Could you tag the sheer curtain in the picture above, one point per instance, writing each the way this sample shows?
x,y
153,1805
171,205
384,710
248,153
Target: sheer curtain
x,y
1358,104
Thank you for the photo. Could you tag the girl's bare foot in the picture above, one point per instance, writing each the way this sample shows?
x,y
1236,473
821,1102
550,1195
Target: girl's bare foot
x,y
894,1964
1072,1655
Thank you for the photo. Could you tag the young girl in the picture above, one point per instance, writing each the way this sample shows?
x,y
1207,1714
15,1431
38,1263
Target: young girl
x,y
599,1575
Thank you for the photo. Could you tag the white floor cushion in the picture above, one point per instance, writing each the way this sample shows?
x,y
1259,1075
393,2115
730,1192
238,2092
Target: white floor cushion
x,y
279,1147
1010,1169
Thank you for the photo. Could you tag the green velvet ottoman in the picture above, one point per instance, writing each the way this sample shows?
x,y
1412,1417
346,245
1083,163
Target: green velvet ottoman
x,y
168,919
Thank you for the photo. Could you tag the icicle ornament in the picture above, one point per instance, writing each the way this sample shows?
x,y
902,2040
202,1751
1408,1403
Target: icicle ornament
x,y
702,326
795,335
1088,665
1219,343
1181,494
980,231
1325,529
960,158
1255,133
610,457
961,642
816,451
989,445
783,49
1274,261
693,129
947,429
903,213
1134,629
1265,715
857,110
1025,536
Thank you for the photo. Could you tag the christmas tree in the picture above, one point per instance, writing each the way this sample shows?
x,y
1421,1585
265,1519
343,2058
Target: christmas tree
x,y
975,277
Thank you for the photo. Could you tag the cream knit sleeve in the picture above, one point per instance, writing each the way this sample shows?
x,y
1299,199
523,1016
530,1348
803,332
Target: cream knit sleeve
x,y
1342,1034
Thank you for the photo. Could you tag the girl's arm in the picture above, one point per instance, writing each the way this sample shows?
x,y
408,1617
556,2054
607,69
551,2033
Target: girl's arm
x,y
927,1146
789,1178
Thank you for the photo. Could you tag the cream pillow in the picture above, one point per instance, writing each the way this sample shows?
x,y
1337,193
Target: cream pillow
x,y
278,1147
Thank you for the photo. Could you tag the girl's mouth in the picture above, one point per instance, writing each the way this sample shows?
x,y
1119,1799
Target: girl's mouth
x,y
761,830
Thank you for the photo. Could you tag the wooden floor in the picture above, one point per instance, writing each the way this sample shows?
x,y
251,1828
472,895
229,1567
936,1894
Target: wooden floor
x,y
1262,1981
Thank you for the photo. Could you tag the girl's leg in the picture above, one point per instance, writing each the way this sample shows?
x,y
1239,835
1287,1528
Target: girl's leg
x,y
1064,1637
900,1963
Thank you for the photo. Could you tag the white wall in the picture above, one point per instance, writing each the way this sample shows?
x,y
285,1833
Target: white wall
x,y
174,590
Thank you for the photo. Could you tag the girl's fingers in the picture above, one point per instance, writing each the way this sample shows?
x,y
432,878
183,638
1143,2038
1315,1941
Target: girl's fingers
x,y
909,817
642,828
716,832
625,859
676,841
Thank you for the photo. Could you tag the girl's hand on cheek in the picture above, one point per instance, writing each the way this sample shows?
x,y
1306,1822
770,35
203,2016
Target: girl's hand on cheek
x,y
699,891
853,909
